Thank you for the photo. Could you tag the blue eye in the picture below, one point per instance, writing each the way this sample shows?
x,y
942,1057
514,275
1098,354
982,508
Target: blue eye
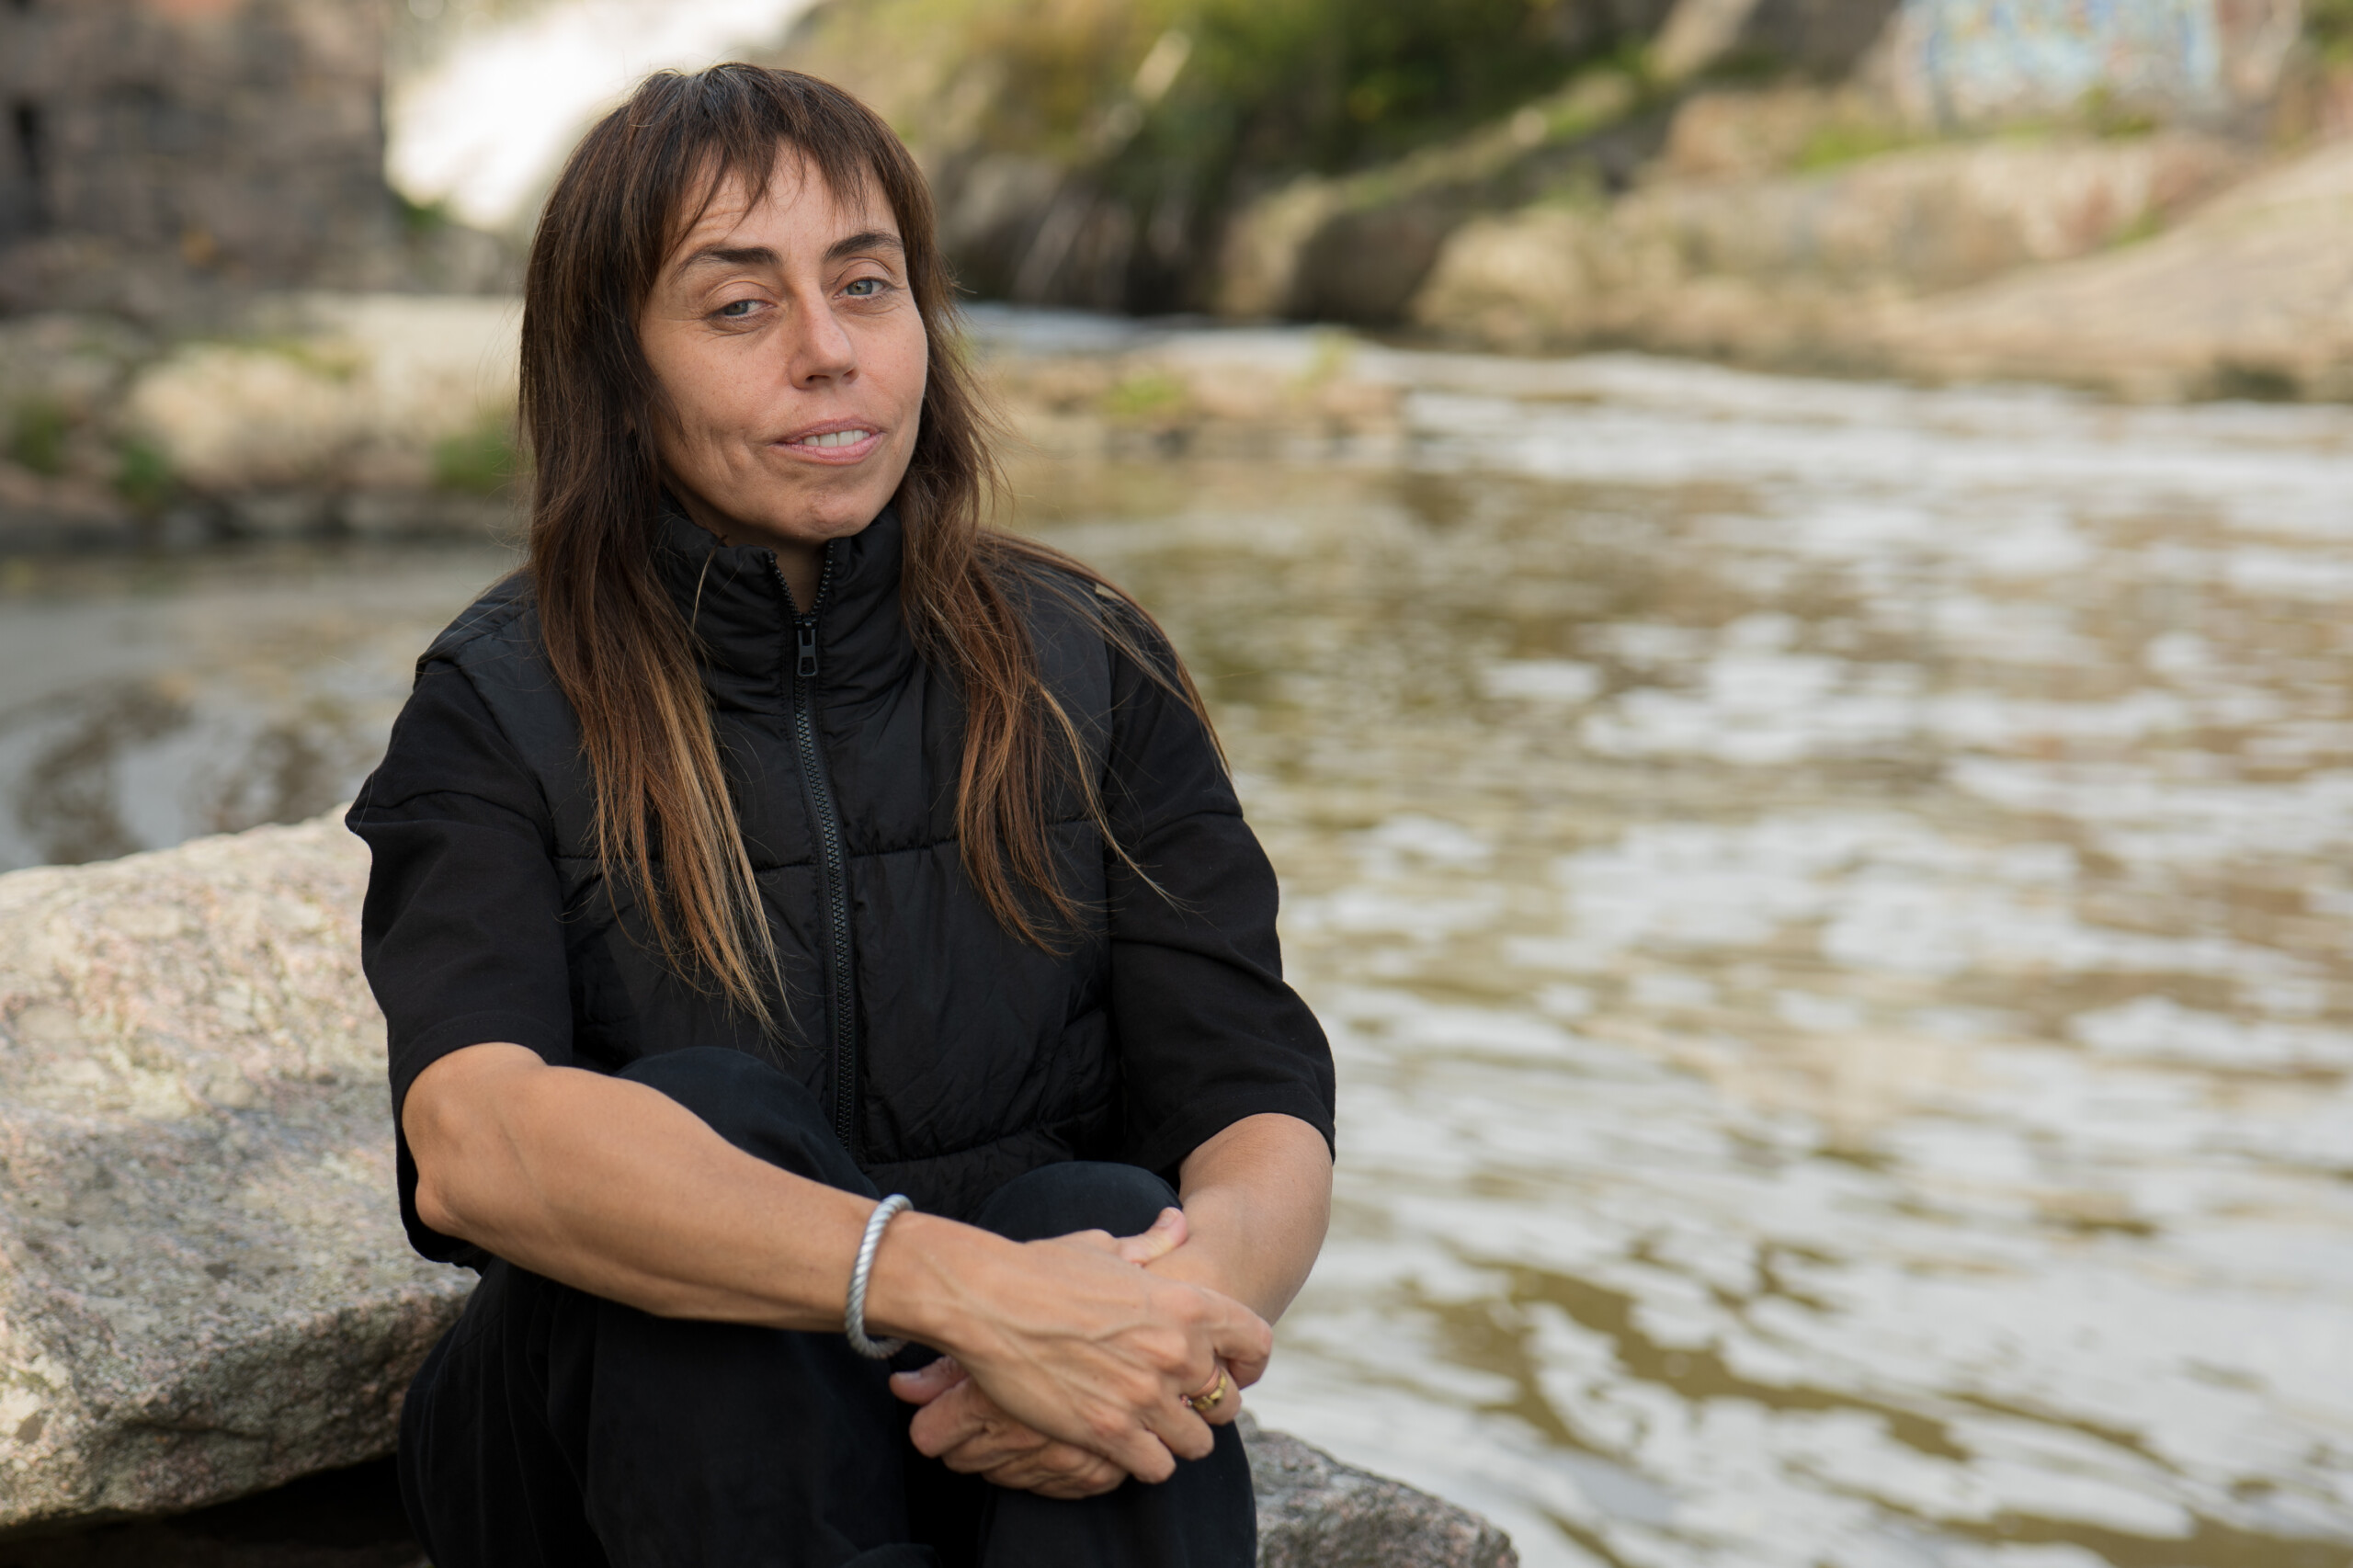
x,y
865,288
736,310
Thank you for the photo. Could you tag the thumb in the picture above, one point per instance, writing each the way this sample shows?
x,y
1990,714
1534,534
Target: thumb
x,y
928,1381
1167,1233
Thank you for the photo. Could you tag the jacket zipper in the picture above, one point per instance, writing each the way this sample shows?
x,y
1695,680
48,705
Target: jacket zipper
x,y
841,1005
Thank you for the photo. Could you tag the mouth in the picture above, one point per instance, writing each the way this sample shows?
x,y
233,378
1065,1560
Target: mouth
x,y
839,441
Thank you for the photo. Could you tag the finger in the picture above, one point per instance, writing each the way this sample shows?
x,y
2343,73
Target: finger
x,y
1097,1241
1000,1439
1066,1466
1058,1470
1240,1338
1037,1459
1222,1413
955,1418
1071,1491
1142,1454
1051,1485
1167,1233
928,1382
999,1446
1186,1435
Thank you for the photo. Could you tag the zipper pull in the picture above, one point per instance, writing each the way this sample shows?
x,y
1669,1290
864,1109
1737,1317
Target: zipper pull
x,y
806,669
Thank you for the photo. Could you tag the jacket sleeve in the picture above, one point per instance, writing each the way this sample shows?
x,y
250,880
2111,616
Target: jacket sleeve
x,y
1209,1033
461,935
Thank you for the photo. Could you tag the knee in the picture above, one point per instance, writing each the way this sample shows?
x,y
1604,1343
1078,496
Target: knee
x,y
754,1107
1075,1194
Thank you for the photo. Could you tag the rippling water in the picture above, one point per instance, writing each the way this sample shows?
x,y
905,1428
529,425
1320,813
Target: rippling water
x,y
1833,903
145,701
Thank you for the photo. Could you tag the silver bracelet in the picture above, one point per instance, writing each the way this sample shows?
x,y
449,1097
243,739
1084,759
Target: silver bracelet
x,y
854,1319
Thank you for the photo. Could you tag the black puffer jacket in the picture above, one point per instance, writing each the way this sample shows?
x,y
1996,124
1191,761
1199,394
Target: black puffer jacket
x,y
954,1055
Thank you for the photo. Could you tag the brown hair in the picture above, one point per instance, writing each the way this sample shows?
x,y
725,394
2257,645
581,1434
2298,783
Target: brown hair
x,y
622,650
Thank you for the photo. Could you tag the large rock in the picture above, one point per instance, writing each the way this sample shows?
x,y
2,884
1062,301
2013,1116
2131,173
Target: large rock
x,y
1780,266
1315,1512
320,412
357,392
1820,38
2252,296
203,1289
1355,248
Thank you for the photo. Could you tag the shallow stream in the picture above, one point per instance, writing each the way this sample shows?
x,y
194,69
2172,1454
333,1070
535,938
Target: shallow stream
x,y
1834,902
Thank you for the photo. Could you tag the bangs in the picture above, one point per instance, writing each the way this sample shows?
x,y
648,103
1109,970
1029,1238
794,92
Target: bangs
x,y
681,140
746,149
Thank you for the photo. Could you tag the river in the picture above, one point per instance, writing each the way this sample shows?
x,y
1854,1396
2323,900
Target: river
x,y
1833,902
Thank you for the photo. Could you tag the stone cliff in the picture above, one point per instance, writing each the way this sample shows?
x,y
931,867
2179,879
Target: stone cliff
x,y
153,139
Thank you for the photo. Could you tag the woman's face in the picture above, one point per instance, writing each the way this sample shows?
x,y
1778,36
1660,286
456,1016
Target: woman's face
x,y
786,336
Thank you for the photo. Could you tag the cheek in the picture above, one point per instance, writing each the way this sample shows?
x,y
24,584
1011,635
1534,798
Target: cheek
x,y
709,396
908,358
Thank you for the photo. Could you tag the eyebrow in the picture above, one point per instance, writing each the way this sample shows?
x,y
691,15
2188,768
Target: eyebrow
x,y
870,239
762,255
730,255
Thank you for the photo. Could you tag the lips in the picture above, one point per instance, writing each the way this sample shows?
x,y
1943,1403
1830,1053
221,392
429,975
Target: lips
x,y
837,441
827,441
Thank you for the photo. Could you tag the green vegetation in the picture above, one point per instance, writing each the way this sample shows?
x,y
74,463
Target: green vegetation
x,y
37,433
2106,115
2328,26
1325,85
479,462
1145,398
142,476
419,219
1175,111
2146,224
328,358
324,359
2234,381
1840,143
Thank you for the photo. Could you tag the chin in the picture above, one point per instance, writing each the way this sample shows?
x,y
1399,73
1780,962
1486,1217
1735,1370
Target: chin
x,y
818,518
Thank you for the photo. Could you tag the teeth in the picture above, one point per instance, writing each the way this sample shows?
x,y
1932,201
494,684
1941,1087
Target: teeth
x,y
835,439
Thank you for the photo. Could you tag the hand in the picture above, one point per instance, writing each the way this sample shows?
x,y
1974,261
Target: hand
x,y
971,1434
982,1440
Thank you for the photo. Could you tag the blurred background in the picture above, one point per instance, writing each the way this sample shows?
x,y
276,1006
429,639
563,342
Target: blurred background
x,y
1775,573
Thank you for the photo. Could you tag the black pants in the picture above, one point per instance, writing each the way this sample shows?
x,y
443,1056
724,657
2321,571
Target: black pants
x,y
551,1428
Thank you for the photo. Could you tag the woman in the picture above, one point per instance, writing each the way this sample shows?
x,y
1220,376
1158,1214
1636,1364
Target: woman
x,y
783,838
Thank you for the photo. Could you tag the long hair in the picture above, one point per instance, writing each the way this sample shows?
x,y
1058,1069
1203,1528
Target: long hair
x,y
621,650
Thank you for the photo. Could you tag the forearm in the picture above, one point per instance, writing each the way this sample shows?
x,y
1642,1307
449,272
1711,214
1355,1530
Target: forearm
x,y
1257,1198
616,1188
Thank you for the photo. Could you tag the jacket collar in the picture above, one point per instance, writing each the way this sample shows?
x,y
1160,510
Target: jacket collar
x,y
745,621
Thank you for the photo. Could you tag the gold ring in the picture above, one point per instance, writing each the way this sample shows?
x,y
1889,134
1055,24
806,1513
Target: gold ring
x,y
1202,1403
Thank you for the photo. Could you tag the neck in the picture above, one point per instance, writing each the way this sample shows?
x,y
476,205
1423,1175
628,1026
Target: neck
x,y
799,561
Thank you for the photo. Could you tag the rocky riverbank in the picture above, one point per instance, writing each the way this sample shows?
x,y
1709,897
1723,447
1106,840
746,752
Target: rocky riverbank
x,y
204,1292
391,415
1860,197
207,1292
2157,267
365,414
2141,200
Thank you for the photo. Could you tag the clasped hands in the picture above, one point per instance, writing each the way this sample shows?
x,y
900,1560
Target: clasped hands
x,y
1101,1372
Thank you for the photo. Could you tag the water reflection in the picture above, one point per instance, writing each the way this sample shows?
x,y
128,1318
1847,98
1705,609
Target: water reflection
x,y
1833,902
68,804
146,701
1833,907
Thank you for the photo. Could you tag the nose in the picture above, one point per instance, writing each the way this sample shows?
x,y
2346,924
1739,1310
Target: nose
x,y
821,350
